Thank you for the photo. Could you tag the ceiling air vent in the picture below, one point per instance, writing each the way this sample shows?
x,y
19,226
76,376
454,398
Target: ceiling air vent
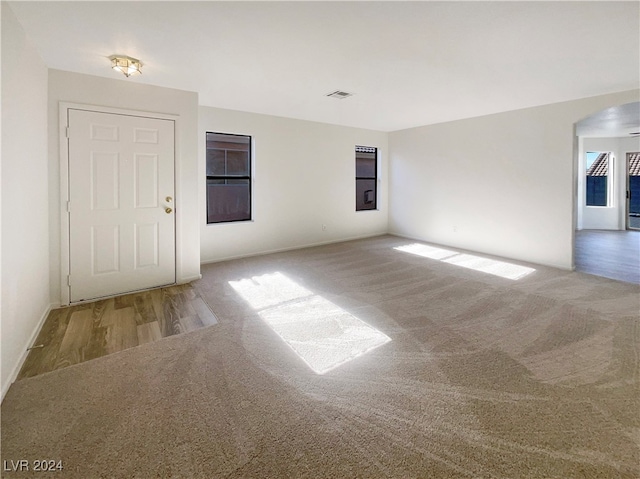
x,y
339,94
635,133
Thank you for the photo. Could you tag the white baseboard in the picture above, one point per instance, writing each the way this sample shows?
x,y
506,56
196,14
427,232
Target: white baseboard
x,y
188,279
290,248
34,334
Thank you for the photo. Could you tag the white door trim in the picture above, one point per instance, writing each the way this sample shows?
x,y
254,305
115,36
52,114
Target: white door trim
x,y
64,108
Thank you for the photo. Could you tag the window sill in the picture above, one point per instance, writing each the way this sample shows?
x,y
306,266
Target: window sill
x,y
235,222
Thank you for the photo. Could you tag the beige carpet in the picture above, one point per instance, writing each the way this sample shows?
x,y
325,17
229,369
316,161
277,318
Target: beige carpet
x,y
482,377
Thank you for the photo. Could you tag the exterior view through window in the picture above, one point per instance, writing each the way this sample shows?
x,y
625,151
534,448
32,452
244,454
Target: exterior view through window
x,y
366,178
598,166
228,177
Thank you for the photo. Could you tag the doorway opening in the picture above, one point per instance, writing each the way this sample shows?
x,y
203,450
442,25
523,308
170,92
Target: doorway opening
x,y
633,191
607,193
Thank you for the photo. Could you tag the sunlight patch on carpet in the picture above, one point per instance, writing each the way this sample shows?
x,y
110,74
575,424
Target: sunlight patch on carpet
x,y
491,266
426,251
469,261
324,335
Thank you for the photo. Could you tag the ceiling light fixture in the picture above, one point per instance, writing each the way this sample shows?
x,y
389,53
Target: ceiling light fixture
x,y
127,65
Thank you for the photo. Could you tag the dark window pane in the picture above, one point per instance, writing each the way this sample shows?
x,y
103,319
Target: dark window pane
x,y
365,167
229,193
215,162
366,177
597,191
228,200
228,197
228,142
238,163
597,164
365,195
634,189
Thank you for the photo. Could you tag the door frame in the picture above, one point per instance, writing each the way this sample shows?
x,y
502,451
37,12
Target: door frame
x,y
627,198
65,256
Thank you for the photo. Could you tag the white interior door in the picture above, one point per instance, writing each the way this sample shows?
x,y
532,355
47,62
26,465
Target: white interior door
x,y
121,208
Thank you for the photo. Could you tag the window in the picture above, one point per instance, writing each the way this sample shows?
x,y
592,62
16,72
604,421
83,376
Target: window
x,y
598,166
366,178
228,177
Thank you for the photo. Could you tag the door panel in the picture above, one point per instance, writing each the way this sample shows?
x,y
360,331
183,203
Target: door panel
x,y
105,249
105,181
121,171
146,181
147,242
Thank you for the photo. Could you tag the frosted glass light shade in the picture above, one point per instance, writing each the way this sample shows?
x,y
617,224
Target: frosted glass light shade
x,y
126,65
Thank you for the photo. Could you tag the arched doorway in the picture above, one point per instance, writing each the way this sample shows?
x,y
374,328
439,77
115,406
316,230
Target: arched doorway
x,y
607,240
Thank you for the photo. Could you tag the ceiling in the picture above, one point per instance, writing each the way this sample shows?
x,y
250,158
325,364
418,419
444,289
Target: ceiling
x,y
407,63
617,121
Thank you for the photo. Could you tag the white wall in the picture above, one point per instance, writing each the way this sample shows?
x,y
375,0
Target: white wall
x,y
126,94
501,184
304,177
611,217
25,213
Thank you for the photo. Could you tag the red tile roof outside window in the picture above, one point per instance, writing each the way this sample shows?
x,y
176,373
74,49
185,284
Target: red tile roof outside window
x,y
634,164
600,166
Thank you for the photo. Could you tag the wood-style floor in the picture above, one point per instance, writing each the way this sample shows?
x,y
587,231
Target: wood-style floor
x,y
612,254
87,331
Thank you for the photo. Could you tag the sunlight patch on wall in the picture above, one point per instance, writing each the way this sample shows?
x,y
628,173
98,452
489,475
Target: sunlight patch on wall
x,y
324,335
469,261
